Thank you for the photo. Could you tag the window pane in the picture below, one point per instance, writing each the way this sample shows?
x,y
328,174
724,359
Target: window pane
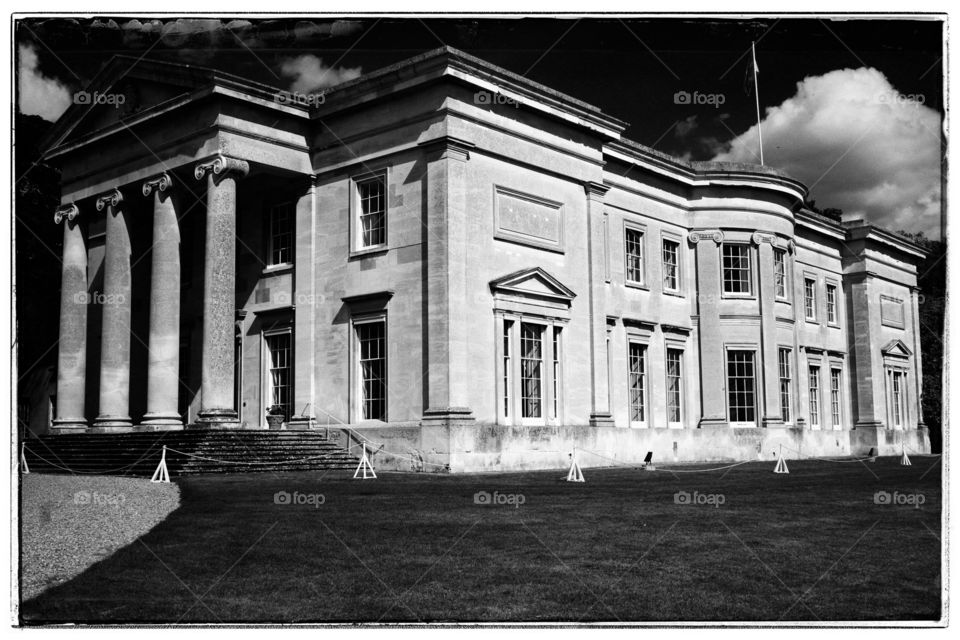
x,y
674,381
278,347
507,367
813,378
531,373
740,386
634,251
556,372
671,265
281,234
835,397
810,299
372,212
780,272
783,361
638,382
736,268
831,304
371,337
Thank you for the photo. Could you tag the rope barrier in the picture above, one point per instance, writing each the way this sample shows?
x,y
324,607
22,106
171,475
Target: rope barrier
x,y
803,457
99,472
638,464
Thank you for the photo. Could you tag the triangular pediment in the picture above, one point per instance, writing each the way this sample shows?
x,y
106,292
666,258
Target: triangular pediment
x,y
534,282
897,349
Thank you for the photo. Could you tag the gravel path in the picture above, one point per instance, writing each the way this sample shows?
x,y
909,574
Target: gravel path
x,y
71,522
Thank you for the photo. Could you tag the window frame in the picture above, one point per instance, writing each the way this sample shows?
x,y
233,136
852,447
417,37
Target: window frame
x,y
628,227
751,286
828,285
271,239
644,348
356,212
778,252
814,399
787,410
510,400
807,278
752,350
675,240
836,397
357,366
266,382
682,387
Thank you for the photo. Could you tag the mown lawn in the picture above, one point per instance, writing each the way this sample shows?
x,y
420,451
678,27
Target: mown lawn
x,y
807,546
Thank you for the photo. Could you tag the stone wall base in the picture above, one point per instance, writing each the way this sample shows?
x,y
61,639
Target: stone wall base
x,y
446,448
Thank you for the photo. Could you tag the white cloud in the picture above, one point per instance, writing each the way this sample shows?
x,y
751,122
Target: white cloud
x,y
309,73
859,145
39,95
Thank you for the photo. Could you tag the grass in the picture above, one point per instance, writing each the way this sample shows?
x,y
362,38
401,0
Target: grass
x,y
807,546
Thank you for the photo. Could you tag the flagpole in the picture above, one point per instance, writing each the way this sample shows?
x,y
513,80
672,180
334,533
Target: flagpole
x,y
756,87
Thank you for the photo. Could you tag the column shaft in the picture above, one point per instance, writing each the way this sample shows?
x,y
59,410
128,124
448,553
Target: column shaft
x,y
600,415
219,292
72,356
163,362
767,358
115,350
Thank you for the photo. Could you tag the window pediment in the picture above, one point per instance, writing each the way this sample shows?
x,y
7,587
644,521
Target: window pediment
x,y
533,283
896,349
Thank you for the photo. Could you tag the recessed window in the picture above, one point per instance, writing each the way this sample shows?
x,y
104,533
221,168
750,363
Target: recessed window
x,y
281,235
736,269
633,241
531,370
555,372
831,304
813,378
835,414
638,383
741,387
507,367
810,298
372,359
780,273
671,265
279,373
898,398
674,387
372,210
783,365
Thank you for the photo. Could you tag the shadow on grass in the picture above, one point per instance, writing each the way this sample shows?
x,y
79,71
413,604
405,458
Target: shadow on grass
x,y
628,545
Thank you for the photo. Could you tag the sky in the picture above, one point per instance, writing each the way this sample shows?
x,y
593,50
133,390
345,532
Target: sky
x,y
851,107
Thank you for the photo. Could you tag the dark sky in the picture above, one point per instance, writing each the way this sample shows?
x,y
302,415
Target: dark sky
x,y
630,68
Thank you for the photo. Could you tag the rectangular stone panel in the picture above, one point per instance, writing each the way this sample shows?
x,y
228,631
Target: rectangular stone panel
x,y
891,312
528,219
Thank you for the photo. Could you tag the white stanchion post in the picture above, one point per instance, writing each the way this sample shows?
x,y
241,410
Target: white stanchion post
x,y
365,467
904,460
575,474
161,474
24,467
781,463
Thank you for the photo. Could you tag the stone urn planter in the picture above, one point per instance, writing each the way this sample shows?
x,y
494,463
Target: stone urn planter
x,y
275,418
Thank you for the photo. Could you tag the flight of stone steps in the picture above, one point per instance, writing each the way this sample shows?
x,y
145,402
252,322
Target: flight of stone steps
x,y
217,451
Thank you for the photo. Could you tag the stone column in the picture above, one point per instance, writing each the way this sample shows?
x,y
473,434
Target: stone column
x,y
163,360
866,367
305,303
712,374
219,291
917,354
72,356
767,360
600,415
115,338
448,373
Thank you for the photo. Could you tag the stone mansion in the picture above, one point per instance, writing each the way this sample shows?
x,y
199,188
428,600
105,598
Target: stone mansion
x,y
468,267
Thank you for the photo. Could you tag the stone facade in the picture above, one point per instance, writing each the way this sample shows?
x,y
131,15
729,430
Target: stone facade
x,y
468,269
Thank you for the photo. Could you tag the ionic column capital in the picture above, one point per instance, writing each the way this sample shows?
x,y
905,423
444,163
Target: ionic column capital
x,y
112,198
713,234
220,166
161,183
68,211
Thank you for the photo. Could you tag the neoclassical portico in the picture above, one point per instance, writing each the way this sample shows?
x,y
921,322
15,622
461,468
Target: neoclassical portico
x,y
219,175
